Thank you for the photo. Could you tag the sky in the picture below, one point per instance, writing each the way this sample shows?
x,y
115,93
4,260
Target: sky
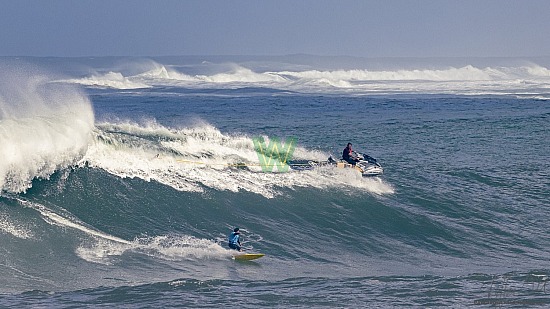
x,y
362,28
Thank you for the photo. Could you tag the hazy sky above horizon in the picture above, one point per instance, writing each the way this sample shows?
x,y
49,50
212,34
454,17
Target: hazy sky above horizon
x,y
365,28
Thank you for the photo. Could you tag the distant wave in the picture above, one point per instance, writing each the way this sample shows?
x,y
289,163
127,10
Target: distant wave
x,y
44,127
451,74
467,79
108,80
159,71
160,75
462,80
242,75
192,159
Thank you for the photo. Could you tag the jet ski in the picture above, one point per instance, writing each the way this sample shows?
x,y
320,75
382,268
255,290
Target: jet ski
x,y
367,165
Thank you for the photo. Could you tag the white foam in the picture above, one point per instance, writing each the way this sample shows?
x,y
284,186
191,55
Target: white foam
x,y
9,226
44,127
165,247
199,157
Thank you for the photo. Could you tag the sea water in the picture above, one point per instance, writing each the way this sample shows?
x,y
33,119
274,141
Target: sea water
x,y
122,177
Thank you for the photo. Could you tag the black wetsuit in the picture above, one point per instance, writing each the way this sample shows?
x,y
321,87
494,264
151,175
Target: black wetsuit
x,y
347,157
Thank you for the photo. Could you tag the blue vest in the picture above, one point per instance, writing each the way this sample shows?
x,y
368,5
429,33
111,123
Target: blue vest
x,y
234,238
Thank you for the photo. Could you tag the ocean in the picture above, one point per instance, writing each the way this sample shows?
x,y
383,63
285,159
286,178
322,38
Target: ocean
x,y
121,178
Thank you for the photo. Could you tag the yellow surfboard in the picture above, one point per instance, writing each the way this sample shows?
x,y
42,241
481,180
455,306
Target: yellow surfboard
x,y
248,256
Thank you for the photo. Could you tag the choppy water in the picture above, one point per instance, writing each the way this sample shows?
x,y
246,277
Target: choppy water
x,y
121,193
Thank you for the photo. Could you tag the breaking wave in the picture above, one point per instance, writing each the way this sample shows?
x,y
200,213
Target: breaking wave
x,y
44,127
192,159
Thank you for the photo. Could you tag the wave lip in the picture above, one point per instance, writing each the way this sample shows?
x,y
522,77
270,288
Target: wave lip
x,y
44,127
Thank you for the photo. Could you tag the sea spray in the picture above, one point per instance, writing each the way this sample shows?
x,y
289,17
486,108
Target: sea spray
x,y
44,127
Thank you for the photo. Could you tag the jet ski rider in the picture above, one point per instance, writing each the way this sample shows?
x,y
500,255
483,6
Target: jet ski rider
x,y
349,156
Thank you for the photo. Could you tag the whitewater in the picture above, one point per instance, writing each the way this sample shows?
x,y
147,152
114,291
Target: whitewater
x,y
120,179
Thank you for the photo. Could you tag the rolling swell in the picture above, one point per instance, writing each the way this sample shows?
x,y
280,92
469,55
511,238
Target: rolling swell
x,y
524,289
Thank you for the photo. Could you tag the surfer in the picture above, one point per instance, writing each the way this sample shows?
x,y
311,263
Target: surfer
x,y
235,240
349,156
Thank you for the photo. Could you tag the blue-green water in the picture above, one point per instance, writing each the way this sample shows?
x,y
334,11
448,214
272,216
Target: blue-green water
x,y
130,205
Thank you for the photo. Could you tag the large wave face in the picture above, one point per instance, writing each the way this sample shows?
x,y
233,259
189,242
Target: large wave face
x,y
44,126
